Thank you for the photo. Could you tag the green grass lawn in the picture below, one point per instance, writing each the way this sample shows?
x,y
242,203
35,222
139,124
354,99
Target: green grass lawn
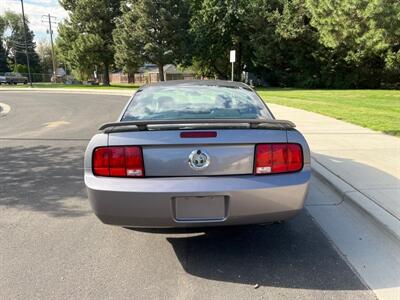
x,y
118,86
374,109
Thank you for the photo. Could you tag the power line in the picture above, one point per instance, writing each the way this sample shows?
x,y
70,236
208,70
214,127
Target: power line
x,y
15,45
14,39
21,43
19,51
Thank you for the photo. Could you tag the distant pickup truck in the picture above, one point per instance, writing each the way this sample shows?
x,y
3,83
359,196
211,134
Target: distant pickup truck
x,y
13,78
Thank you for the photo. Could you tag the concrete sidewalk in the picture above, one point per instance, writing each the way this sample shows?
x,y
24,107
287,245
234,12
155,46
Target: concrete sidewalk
x,y
362,163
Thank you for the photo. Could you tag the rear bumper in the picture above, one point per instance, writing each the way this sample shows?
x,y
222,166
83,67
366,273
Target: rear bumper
x,y
148,202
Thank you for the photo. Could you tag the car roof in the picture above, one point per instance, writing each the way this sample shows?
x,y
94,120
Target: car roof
x,y
220,83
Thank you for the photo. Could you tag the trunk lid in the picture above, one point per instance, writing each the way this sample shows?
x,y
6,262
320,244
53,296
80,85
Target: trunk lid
x,y
166,153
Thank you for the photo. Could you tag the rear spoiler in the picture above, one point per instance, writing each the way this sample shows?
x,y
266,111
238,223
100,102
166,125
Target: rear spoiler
x,y
141,125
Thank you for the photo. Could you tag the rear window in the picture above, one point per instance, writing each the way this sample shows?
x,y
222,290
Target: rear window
x,y
195,102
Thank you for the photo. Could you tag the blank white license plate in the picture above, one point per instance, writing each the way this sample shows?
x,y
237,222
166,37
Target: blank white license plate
x,y
207,208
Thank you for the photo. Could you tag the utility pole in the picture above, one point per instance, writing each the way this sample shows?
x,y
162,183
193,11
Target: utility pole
x,y
51,39
26,44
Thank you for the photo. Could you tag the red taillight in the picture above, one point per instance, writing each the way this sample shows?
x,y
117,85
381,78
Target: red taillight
x,y
199,134
101,161
118,161
295,158
134,162
278,158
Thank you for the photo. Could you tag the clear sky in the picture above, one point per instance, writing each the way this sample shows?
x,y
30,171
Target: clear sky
x,y
34,9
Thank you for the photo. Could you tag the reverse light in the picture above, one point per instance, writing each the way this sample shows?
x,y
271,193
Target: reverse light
x,y
118,161
278,158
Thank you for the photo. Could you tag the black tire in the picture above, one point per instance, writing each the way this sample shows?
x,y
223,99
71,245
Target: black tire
x,y
25,82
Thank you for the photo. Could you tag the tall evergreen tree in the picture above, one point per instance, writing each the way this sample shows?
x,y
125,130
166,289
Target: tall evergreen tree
x,y
285,46
3,58
152,31
15,42
3,54
366,34
88,34
80,52
45,55
218,26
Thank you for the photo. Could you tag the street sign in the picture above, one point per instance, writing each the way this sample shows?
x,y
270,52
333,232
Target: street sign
x,y
232,56
232,59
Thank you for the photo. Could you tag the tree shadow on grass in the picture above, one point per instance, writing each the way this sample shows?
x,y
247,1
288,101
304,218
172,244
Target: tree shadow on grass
x,y
43,178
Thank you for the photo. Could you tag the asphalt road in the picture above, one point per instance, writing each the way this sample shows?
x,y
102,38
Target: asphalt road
x,y
52,246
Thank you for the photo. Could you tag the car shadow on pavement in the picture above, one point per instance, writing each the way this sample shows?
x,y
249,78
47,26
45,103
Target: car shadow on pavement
x,y
294,254
43,178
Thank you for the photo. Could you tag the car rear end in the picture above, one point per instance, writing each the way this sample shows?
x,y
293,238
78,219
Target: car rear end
x,y
199,174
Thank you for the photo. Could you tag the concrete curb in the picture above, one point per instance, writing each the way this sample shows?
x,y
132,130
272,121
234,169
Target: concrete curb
x,y
386,221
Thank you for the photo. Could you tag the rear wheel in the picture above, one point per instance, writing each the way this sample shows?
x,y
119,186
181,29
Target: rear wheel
x,y
25,82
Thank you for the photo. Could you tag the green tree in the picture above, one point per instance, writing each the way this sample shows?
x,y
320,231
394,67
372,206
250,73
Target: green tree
x,y
153,31
288,51
45,56
365,26
284,44
3,54
20,68
2,25
80,52
3,58
15,41
365,32
87,37
219,26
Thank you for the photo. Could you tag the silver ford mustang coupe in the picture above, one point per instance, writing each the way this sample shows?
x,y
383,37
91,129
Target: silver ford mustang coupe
x,y
196,153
